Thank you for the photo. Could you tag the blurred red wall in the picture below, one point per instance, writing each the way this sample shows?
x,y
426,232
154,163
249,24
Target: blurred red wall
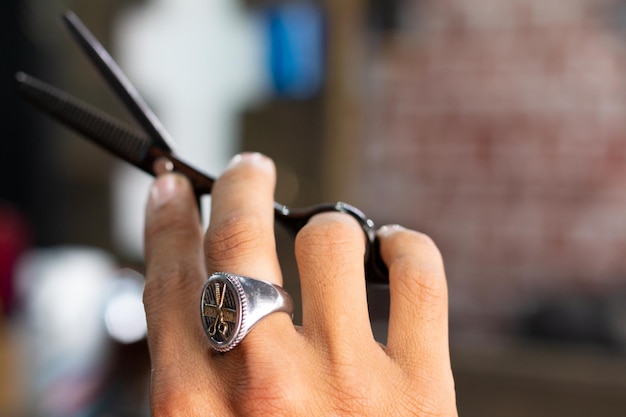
x,y
499,128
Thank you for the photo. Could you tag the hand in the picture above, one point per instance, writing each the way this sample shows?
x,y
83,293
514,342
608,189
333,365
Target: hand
x,y
331,366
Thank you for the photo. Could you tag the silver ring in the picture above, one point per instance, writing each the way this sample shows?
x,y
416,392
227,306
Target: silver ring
x,y
231,305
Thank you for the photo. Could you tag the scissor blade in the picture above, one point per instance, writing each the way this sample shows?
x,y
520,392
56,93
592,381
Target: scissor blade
x,y
120,84
123,141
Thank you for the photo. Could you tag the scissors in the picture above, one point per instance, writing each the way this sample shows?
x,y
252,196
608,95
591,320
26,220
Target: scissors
x,y
153,147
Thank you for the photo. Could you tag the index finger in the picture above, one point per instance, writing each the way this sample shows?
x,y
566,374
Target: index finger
x,y
175,274
174,264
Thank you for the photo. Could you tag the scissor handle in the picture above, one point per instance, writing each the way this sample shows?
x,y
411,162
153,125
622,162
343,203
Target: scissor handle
x,y
294,219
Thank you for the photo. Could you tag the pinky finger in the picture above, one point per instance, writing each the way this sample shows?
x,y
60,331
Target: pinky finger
x,y
418,319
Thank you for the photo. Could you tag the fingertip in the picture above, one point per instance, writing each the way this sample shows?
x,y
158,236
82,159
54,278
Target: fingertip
x,y
166,188
388,230
399,242
251,158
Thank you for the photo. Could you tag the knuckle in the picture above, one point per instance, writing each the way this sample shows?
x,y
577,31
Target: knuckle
x,y
351,397
234,238
330,234
175,226
274,402
417,281
418,268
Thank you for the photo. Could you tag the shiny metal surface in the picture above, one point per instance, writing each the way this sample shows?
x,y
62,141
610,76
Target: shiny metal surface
x,y
231,305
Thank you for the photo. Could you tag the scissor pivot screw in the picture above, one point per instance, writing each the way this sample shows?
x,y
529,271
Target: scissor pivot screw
x,y
163,165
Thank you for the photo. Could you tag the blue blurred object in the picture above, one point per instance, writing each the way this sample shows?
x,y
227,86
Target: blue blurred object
x,y
296,48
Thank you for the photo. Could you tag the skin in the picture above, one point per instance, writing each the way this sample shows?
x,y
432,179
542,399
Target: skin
x,y
331,365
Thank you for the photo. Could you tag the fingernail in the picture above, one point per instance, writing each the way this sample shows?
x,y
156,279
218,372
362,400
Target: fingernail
x,y
248,157
389,229
165,188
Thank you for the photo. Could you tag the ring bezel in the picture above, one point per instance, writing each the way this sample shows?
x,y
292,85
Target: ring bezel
x,y
231,305
235,304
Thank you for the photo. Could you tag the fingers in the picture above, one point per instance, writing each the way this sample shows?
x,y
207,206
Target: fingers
x,y
240,238
418,321
174,266
275,366
329,251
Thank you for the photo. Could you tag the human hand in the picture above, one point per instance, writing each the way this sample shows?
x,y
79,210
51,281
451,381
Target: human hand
x,y
331,365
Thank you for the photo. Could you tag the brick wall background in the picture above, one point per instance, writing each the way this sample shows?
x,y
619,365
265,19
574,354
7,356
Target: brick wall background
x,y
498,127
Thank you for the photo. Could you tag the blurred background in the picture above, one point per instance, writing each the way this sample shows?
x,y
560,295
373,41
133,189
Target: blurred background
x,y
495,126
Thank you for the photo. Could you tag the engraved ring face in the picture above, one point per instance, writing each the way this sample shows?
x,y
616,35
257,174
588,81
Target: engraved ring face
x,y
232,304
221,309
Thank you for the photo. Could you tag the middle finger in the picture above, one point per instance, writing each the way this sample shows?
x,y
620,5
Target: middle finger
x,y
240,238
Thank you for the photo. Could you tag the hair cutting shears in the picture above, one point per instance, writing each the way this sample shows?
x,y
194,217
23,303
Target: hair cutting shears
x,y
144,148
